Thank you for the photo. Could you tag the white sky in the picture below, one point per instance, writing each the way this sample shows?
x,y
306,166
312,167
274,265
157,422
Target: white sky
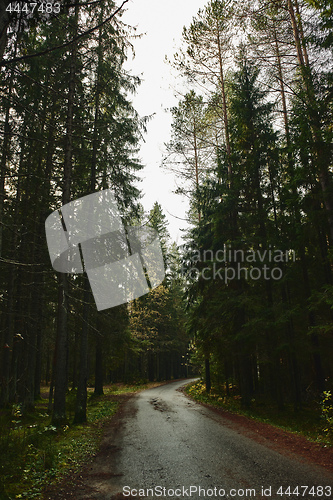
x,y
162,23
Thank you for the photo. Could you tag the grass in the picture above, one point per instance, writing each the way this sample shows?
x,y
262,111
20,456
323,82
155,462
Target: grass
x,y
309,422
34,453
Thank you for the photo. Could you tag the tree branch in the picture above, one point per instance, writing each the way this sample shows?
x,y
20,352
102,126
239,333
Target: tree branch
x,y
51,49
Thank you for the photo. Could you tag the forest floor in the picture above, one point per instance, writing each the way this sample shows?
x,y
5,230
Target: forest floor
x,y
34,453
103,469
71,485
283,441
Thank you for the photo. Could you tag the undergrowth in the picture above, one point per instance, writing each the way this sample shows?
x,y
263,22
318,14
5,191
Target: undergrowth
x,y
34,453
314,421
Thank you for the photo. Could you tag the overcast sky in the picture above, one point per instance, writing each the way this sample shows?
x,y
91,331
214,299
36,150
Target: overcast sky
x,y
162,23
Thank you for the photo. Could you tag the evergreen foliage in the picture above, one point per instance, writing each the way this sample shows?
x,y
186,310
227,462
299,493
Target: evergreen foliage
x,y
258,260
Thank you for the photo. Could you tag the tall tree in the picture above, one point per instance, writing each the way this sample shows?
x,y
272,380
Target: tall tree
x,y
189,150
321,149
208,51
61,367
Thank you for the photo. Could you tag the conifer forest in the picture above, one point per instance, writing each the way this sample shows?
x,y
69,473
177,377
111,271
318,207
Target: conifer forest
x,y
247,299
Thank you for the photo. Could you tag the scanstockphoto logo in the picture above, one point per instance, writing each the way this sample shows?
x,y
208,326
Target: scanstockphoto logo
x,y
228,264
122,263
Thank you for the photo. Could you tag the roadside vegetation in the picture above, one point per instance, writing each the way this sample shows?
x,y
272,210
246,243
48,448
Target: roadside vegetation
x,y
313,421
34,453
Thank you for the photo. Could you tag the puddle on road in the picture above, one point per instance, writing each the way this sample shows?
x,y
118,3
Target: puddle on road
x,y
160,405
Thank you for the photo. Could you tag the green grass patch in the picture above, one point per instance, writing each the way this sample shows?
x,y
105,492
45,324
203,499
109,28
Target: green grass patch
x,y
310,421
34,453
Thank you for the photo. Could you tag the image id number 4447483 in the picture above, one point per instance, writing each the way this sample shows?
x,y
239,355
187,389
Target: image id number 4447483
x,y
313,491
30,7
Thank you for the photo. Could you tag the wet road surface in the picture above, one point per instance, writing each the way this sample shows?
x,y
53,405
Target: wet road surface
x,y
174,446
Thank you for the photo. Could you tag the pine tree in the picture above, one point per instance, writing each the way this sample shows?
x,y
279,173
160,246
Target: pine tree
x,y
188,152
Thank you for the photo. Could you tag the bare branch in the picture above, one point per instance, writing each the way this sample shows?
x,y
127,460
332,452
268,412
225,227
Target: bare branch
x,y
70,42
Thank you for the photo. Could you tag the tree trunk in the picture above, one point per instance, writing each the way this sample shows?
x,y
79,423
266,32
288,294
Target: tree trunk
x,y
60,382
81,395
60,371
99,367
4,22
321,150
224,105
81,400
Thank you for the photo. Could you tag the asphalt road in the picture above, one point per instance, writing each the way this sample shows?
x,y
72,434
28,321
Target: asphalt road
x,y
170,442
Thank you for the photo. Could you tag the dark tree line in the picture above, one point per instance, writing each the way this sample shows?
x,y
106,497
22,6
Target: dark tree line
x,y
254,141
68,129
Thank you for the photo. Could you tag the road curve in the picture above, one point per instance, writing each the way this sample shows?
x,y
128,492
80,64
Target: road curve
x,y
173,446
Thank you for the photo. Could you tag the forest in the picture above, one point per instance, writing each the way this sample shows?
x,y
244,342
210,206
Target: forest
x,y
68,129
247,299
251,143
